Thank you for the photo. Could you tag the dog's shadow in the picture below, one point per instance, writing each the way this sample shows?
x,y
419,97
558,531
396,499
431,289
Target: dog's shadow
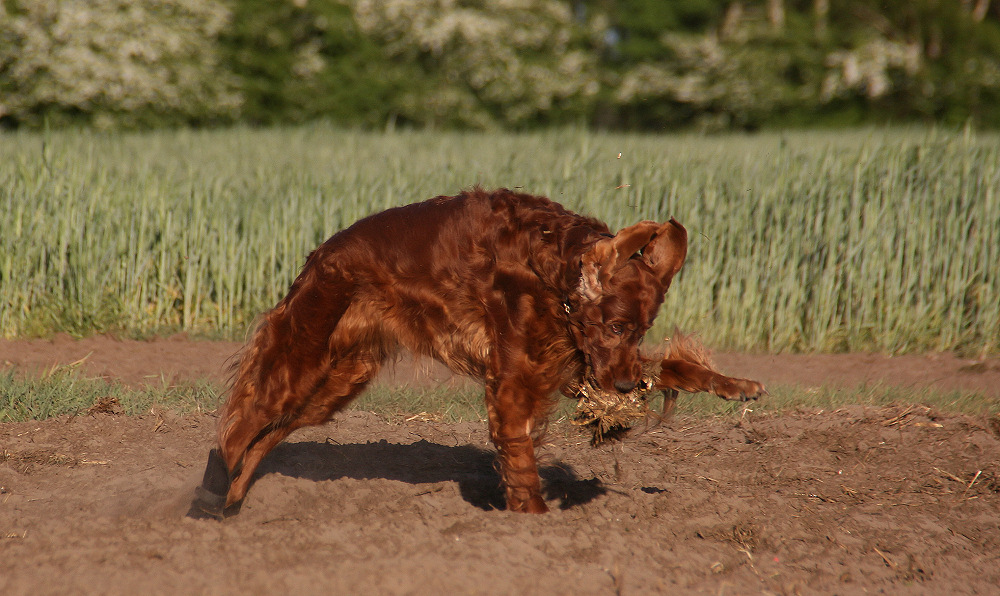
x,y
423,462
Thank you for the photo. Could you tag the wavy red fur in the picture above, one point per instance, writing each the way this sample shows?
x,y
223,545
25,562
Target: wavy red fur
x,y
510,288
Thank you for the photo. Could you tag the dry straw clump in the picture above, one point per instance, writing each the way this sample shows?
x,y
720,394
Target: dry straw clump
x,y
610,414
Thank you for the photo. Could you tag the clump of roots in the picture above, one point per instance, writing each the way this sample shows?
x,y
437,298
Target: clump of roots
x,y
610,414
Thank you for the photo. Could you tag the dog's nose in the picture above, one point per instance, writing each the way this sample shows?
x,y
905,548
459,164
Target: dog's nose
x,y
625,386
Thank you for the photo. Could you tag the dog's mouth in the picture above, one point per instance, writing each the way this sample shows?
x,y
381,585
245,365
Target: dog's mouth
x,y
611,413
643,385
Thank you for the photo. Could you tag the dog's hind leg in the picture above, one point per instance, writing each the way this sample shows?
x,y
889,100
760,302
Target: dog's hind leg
x,y
248,433
301,406
294,372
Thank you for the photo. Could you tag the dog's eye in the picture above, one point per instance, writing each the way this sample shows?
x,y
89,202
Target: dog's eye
x,y
616,328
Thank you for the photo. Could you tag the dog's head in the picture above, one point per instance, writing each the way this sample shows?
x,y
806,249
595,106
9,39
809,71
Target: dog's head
x,y
623,279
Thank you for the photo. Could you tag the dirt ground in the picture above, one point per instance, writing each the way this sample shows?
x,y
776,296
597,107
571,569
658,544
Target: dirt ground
x,y
859,500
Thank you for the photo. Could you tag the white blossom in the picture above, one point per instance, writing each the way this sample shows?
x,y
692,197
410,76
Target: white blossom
x,y
515,55
867,69
115,56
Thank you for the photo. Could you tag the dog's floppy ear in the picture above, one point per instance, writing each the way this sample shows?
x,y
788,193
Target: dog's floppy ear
x,y
633,239
598,263
666,252
594,270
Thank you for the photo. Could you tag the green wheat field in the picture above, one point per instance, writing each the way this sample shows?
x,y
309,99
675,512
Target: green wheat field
x,y
881,239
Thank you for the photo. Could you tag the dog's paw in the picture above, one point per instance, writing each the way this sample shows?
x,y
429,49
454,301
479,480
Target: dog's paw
x,y
530,503
739,389
207,505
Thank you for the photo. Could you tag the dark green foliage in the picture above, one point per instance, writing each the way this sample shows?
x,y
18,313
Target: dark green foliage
x,y
298,63
625,64
640,23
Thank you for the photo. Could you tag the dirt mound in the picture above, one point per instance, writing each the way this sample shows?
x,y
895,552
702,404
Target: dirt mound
x,y
856,500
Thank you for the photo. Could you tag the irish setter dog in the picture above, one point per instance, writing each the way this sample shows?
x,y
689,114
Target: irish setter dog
x,y
509,288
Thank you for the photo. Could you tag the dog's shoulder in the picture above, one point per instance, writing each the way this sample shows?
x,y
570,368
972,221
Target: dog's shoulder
x,y
532,231
529,211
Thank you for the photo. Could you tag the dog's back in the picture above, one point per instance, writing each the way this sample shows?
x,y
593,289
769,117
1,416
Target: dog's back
x,y
476,231
438,277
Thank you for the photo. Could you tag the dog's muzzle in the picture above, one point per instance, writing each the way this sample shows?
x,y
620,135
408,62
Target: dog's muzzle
x,y
625,386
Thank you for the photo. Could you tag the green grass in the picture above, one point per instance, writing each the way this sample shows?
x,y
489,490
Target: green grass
x,y
885,240
784,399
460,404
466,402
66,392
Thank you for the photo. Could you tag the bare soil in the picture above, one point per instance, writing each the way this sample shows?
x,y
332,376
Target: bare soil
x,y
853,501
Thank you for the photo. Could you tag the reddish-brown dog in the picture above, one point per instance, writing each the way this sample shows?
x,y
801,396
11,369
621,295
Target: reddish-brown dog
x,y
506,287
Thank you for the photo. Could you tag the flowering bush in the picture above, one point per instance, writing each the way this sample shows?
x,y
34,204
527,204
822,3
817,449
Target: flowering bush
x,y
868,69
491,62
113,60
498,63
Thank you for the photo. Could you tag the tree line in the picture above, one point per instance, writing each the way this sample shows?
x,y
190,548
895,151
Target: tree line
x,y
485,64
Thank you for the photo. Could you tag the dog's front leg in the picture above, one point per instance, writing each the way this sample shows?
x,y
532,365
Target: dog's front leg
x,y
512,416
692,377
